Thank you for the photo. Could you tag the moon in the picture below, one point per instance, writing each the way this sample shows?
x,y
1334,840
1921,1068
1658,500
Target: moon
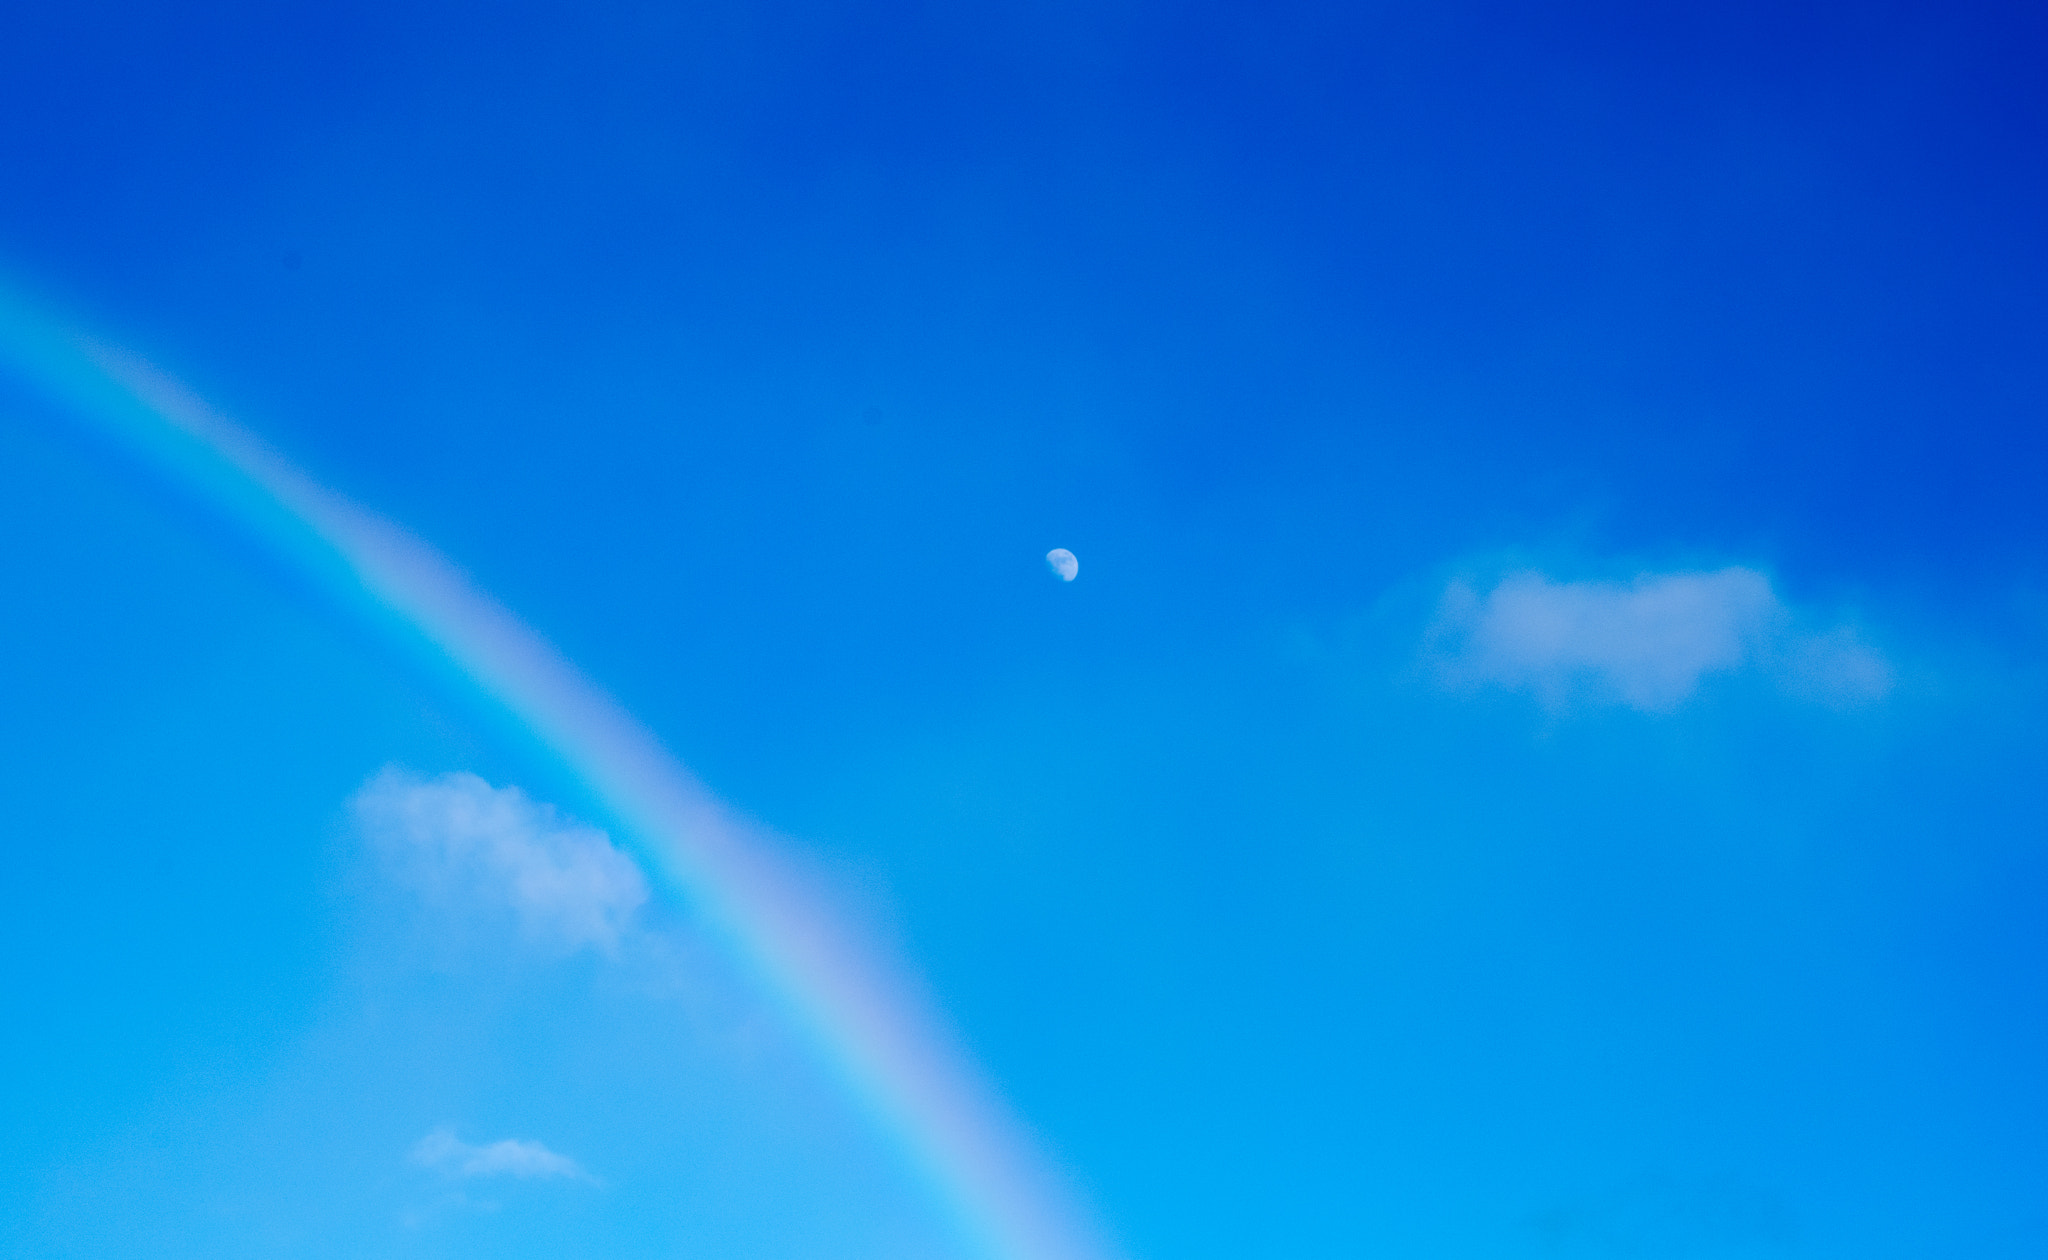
x,y
1063,563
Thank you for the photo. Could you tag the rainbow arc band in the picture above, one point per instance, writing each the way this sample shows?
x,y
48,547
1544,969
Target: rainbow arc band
x,y
859,1009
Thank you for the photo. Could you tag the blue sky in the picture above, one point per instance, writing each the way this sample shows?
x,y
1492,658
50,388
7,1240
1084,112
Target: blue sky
x,y
1541,757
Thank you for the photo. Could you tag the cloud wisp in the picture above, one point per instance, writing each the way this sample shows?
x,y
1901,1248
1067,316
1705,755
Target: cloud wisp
x,y
456,1159
1644,644
456,836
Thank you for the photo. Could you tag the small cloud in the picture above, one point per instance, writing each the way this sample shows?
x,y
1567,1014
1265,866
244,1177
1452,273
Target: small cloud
x,y
1645,644
452,1157
566,883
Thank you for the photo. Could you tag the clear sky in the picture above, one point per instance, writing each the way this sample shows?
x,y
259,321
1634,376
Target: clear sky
x,y
1542,755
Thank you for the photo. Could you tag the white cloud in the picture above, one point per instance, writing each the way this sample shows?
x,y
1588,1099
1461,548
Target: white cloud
x,y
457,835
1645,644
449,1155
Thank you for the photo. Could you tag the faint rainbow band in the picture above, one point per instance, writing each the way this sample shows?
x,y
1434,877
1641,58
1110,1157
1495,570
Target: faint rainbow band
x,y
889,1046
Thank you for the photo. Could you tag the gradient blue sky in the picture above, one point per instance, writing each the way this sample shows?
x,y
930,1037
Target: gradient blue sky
x,y
1543,756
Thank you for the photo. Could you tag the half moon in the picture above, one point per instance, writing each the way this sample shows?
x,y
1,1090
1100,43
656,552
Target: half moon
x,y
1063,563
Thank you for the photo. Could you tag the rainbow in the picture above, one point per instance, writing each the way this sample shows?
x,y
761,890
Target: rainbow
x,y
861,1012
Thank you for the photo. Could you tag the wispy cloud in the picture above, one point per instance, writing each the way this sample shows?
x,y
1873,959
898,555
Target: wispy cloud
x,y
1646,643
452,1157
456,835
